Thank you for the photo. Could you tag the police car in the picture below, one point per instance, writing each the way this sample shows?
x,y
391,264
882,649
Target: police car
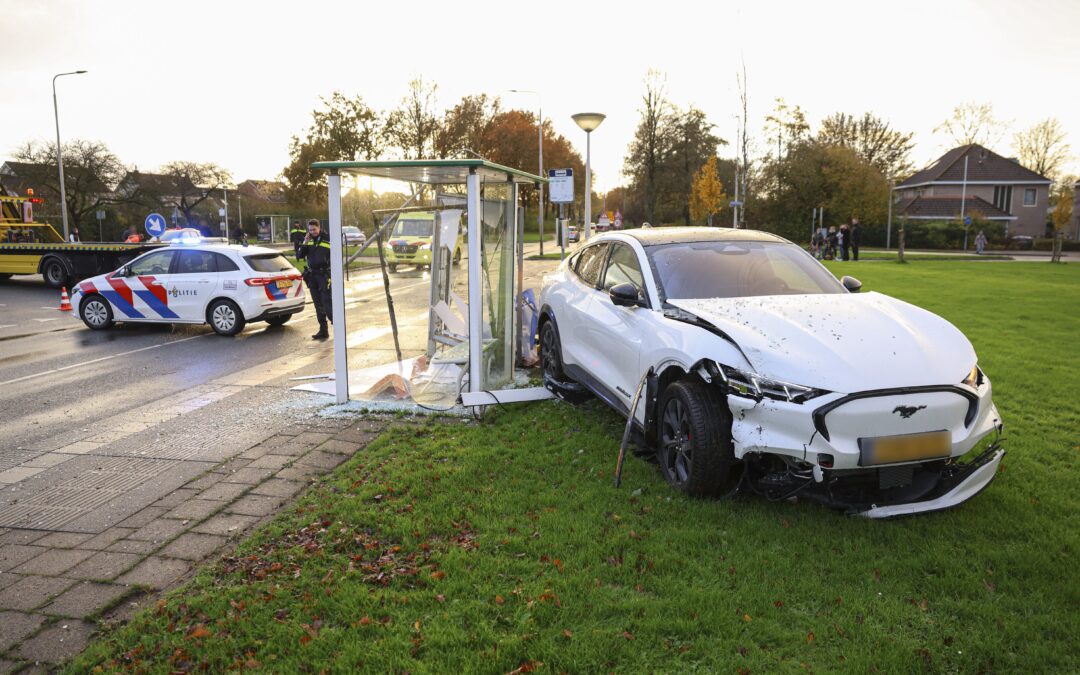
x,y
222,285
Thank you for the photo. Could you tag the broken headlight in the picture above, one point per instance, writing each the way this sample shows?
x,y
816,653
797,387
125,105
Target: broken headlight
x,y
974,378
742,383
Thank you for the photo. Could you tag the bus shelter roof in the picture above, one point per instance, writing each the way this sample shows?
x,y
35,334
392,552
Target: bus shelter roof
x,y
432,171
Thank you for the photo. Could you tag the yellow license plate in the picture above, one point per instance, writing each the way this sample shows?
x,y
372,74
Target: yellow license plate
x,y
907,448
284,283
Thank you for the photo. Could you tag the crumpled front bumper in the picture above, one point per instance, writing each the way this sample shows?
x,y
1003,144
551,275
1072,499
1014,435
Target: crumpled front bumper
x,y
964,482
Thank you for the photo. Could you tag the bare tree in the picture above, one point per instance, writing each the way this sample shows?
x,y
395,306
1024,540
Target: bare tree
x,y
872,138
413,126
1042,147
193,183
973,123
91,174
647,152
742,154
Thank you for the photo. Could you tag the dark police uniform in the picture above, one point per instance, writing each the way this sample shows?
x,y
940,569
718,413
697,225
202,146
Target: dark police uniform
x,y
317,276
297,235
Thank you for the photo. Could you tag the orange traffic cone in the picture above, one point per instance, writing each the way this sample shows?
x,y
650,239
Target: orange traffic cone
x,y
65,303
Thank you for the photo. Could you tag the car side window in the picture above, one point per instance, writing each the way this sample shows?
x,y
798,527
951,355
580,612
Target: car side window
x,y
591,263
623,268
225,263
196,262
155,263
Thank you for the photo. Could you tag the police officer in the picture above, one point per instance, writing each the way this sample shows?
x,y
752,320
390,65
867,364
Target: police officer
x,y
296,236
315,248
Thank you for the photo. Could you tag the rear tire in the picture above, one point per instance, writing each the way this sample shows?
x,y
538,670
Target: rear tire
x,y
693,433
457,256
95,312
5,276
55,273
225,317
280,320
393,268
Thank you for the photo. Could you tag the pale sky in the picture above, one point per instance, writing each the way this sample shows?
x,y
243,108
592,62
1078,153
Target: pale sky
x,y
230,82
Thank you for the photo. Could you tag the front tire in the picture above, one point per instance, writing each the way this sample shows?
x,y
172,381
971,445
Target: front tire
x,y
551,353
225,317
95,312
393,268
695,450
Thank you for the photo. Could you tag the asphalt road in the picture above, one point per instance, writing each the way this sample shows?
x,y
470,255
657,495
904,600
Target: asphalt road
x,y
56,375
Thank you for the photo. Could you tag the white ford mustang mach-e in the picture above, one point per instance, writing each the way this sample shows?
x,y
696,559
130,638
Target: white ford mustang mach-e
x,y
759,371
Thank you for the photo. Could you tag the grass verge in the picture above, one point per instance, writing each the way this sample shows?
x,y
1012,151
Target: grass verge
x,y
503,545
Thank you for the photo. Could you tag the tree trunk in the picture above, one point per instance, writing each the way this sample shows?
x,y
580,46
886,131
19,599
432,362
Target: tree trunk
x,y
900,247
1055,256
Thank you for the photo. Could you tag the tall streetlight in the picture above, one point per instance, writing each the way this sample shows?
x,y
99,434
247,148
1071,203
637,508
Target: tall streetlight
x,y
59,156
588,122
540,172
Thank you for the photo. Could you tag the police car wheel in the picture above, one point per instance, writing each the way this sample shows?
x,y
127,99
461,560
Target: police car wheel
x,y
95,312
393,267
457,256
279,320
225,317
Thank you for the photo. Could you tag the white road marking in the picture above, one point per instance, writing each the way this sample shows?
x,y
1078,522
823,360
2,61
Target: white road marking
x,y
46,307
99,360
44,320
8,325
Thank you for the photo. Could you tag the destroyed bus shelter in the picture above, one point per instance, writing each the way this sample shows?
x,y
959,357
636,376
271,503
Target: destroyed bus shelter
x,y
460,230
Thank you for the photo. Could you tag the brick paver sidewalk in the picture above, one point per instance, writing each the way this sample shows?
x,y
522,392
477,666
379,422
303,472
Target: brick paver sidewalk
x,y
57,587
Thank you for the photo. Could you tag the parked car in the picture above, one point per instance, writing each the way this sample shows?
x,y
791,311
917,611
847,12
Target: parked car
x,y
572,234
410,242
224,286
758,371
354,236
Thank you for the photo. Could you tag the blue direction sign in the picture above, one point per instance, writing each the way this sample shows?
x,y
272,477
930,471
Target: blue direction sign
x,y
967,220
155,225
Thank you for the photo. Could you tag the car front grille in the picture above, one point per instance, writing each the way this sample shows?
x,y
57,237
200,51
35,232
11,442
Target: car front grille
x,y
404,249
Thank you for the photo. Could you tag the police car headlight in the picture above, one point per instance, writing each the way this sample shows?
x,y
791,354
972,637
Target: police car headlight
x,y
425,247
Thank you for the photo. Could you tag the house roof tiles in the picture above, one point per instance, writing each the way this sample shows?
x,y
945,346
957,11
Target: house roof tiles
x,y
984,166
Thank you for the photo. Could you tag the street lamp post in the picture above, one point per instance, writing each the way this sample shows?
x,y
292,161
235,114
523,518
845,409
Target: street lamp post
x,y
540,172
59,156
588,122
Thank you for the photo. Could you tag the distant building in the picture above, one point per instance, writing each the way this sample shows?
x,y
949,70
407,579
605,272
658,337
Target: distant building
x,y
267,191
997,189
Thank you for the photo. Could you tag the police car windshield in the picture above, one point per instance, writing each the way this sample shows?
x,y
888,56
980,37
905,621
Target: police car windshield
x,y
413,227
268,262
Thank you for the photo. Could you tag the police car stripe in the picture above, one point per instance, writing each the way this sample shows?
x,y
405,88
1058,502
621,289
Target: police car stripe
x,y
121,303
155,304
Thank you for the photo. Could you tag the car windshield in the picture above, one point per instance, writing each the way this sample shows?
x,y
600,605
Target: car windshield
x,y
414,227
268,262
732,269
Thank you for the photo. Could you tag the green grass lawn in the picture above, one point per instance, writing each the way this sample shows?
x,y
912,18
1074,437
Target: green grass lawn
x,y
938,257
502,545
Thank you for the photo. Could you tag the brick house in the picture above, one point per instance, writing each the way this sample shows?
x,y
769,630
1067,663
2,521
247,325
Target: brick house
x,y
997,189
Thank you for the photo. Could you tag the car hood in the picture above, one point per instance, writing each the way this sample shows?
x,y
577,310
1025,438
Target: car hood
x,y
841,342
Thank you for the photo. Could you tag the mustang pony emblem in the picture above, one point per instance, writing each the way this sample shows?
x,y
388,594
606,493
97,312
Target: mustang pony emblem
x,y
907,411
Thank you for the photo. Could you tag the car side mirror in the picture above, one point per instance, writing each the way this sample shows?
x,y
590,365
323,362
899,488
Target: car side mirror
x,y
851,283
624,295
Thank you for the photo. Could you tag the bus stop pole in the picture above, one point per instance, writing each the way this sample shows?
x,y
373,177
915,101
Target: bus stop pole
x,y
476,292
337,288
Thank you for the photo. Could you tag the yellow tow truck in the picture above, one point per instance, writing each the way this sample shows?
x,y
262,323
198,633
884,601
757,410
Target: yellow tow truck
x,y
29,247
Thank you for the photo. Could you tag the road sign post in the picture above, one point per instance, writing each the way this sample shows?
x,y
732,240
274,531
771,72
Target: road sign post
x,y
100,218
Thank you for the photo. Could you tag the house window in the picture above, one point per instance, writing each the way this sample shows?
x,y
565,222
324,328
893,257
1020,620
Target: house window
x,y
1029,196
1003,198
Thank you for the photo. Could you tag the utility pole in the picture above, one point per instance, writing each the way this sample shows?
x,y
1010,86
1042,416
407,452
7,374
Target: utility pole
x,y
888,226
963,199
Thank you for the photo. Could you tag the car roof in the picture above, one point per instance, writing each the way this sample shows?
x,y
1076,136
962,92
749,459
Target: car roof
x,y
655,236
228,248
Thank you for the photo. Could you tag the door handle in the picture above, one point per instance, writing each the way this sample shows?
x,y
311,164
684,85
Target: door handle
x,y
157,283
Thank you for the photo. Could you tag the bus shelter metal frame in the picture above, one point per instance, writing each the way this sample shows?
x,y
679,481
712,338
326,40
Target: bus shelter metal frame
x,y
433,172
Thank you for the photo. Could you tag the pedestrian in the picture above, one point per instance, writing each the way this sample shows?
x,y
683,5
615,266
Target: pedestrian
x,y
296,236
316,250
239,236
844,240
980,242
830,251
855,233
73,237
126,234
